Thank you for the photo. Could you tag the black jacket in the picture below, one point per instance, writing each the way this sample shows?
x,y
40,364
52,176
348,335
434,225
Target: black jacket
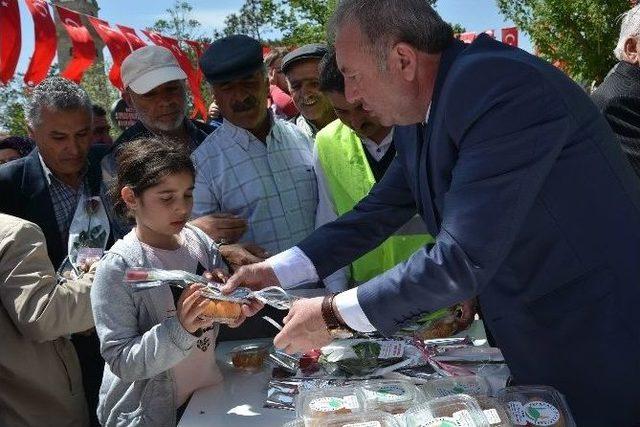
x,y
618,98
24,193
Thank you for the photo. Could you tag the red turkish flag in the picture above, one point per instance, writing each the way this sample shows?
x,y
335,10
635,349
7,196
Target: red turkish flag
x,y
468,37
185,63
510,36
116,43
197,47
83,51
46,42
134,41
10,39
265,50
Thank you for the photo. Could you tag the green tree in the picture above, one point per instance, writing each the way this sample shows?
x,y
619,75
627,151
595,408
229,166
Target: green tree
x,y
256,18
13,97
179,22
580,33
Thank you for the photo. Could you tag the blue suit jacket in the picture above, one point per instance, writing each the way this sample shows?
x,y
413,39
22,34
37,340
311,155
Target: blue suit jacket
x,y
535,211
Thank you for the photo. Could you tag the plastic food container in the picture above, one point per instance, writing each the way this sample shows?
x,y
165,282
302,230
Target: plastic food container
x,y
295,423
249,357
472,385
316,406
368,419
536,406
494,411
458,410
391,396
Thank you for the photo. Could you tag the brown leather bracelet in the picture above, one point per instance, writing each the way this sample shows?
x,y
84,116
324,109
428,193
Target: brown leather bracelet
x,y
328,315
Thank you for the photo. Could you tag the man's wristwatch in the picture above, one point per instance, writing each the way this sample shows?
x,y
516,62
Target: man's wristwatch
x,y
337,330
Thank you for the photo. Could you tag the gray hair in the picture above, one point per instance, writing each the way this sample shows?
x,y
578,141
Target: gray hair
x,y
57,94
630,28
386,22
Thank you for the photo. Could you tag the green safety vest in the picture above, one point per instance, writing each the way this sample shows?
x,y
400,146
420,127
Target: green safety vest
x,y
349,179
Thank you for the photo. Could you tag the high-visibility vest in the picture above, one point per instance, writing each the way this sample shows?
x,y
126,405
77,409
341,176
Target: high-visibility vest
x,y
349,179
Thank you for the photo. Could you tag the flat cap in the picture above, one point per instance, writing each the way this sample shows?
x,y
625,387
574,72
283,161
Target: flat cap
x,y
231,58
308,51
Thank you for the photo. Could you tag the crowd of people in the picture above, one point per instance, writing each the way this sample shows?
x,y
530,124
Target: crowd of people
x,y
398,169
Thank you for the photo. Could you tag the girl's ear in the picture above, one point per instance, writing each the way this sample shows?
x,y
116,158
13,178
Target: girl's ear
x,y
129,198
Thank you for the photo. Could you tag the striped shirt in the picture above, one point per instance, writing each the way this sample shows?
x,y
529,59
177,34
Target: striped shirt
x,y
64,199
272,185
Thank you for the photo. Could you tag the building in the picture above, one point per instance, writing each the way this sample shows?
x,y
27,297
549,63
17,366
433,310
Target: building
x,y
87,7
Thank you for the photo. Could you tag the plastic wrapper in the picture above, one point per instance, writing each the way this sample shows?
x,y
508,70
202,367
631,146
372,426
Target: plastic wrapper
x,y
536,406
294,423
471,385
88,233
317,406
494,411
442,323
282,394
391,396
451,411
368,357
145,278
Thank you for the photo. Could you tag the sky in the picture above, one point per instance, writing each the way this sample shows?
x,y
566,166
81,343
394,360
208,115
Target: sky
x,y
474,15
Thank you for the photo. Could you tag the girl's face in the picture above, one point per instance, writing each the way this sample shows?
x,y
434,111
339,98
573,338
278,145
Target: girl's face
x,y
163,210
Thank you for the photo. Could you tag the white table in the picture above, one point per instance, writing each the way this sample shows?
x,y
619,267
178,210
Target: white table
x,y
238,400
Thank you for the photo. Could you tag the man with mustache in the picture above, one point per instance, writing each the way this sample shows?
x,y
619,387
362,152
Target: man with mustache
x,y
300,67
255,166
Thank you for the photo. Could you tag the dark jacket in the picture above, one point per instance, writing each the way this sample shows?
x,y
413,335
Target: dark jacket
x,y
618,98
535,211
24,193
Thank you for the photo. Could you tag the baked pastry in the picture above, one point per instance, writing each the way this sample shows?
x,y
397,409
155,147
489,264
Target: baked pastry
x,y
223,311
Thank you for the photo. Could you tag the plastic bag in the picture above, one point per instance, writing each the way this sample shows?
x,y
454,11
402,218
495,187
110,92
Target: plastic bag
x,y
88,233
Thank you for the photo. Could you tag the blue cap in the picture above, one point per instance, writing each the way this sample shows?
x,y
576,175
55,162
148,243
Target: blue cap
x,y
231,58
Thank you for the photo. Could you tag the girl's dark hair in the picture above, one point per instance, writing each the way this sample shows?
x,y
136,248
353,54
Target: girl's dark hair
x,y
143,163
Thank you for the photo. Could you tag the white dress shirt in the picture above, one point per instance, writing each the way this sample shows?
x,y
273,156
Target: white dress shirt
x,y
293,268
326,212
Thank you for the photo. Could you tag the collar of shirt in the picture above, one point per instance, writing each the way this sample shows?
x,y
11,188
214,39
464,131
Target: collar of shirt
x,y
243,137
48,174
307,127
378,151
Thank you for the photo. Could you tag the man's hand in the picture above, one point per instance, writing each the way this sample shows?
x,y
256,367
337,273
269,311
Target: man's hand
x,y
237,255
304,328
254,276
223,227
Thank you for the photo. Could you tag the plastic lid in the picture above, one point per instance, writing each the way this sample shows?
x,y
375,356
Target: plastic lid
x,y
459,410
536,406
393,396
321,403
472,385
368,419
494,411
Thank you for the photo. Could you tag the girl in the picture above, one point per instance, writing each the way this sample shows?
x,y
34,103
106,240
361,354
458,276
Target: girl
x,y
157,345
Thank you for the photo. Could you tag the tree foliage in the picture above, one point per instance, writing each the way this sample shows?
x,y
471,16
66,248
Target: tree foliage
x,y
579,33
295,22
179,22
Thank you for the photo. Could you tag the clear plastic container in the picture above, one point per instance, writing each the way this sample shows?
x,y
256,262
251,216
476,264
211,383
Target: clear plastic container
x,y
459,410
472,385
536,406
250,357
317,405
368,419
295,423
391,396
494,411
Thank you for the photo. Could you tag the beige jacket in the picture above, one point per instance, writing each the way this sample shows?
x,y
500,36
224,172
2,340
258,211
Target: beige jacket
x,y
40,379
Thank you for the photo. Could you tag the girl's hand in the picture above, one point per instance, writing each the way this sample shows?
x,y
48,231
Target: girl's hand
x,y
248,310
191,307
217,275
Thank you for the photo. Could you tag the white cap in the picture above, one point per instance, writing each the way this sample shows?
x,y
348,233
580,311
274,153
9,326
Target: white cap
x,y
148,67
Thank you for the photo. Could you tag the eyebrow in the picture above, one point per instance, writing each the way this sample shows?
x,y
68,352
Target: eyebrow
x,y
174,191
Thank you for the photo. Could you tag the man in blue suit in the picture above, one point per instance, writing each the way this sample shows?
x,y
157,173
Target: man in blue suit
x,y
515,172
